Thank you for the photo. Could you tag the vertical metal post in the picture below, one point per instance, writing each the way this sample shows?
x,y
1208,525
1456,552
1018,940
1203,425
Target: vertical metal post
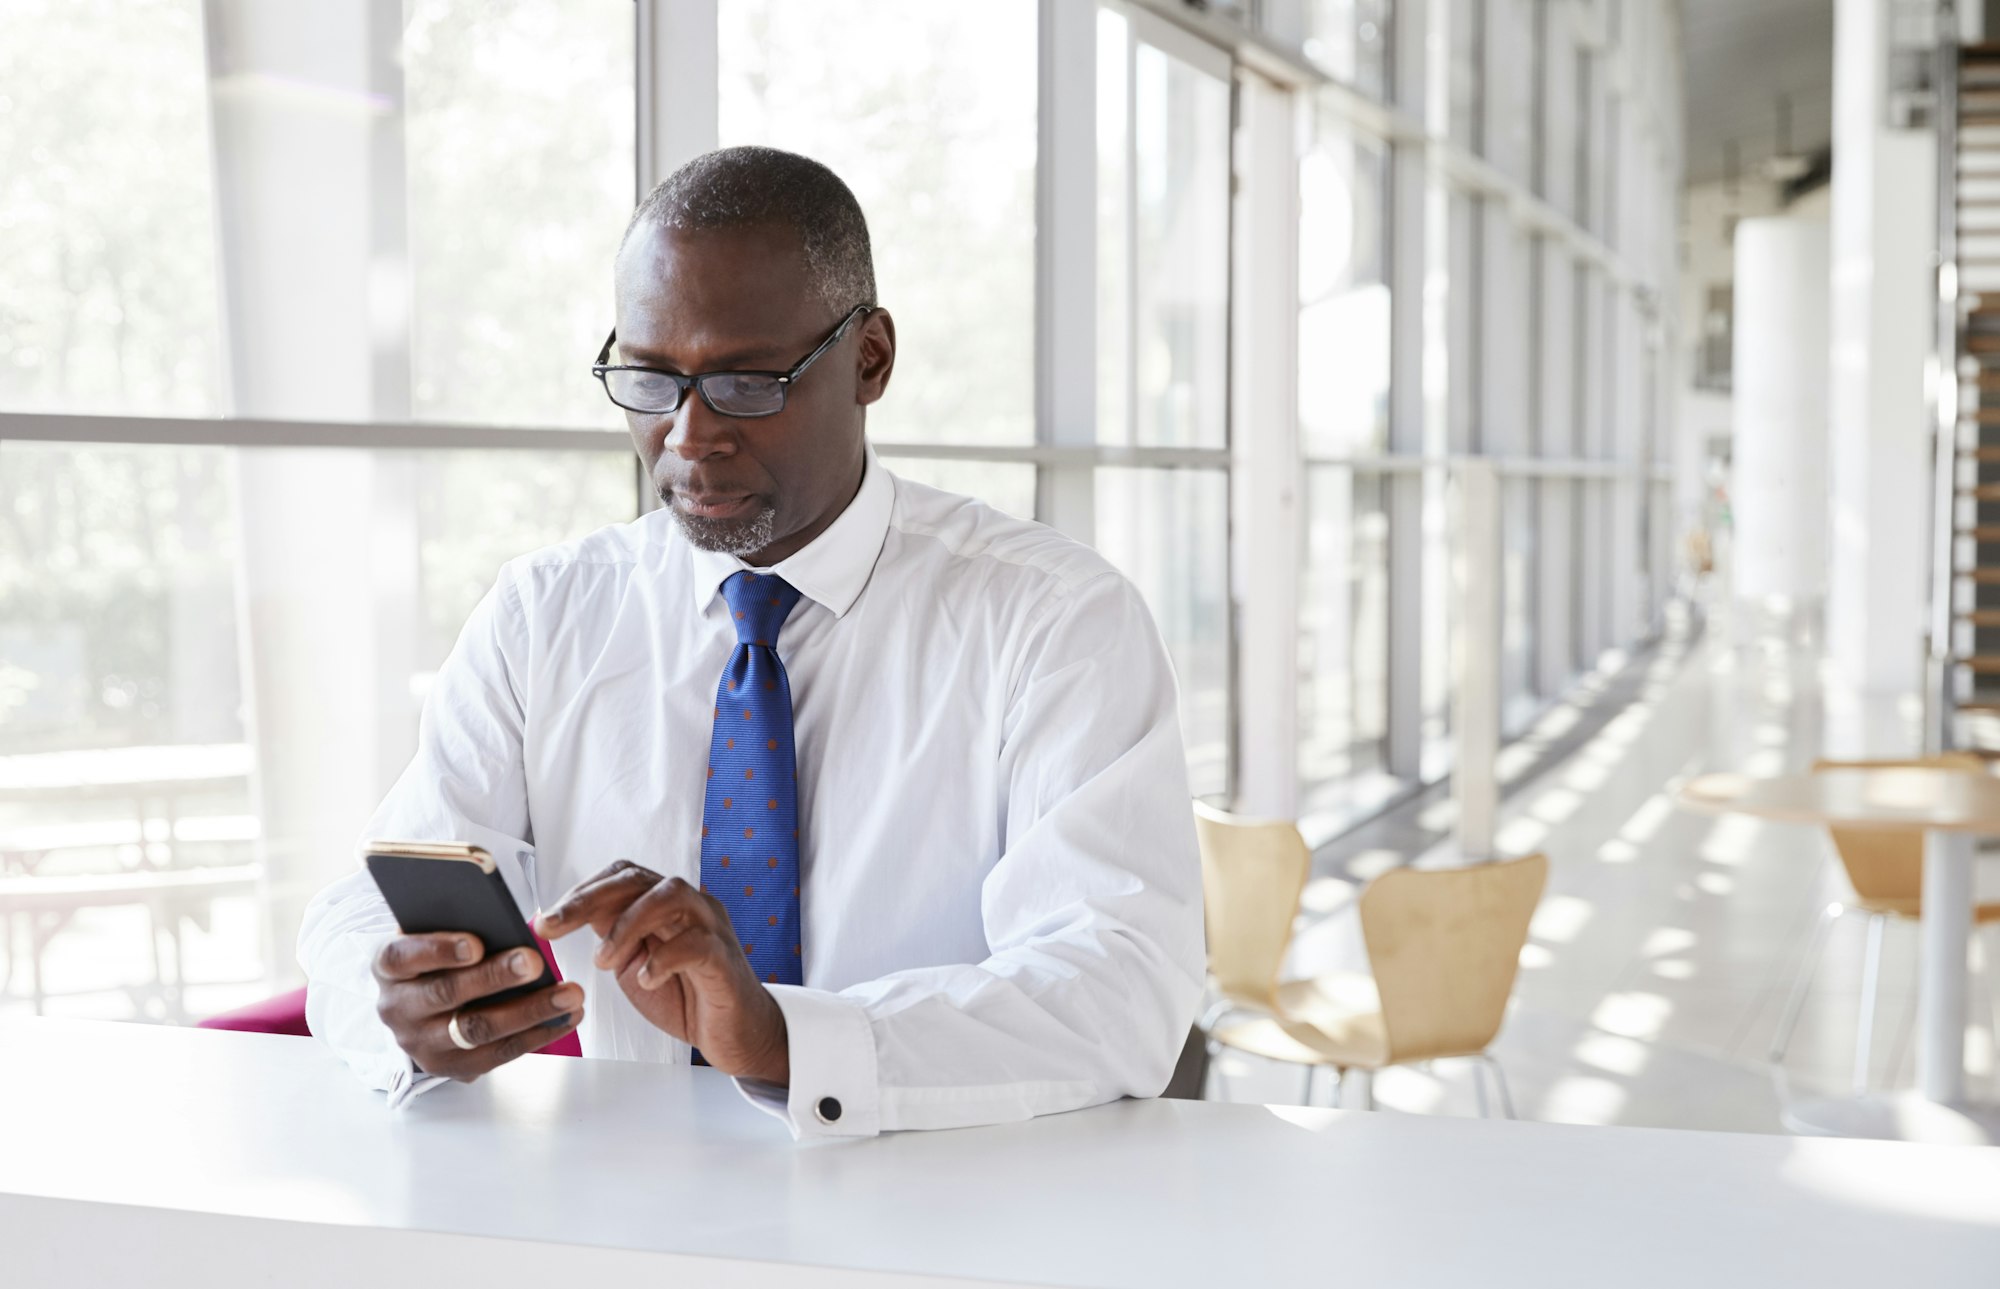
x,y
676,86
1267,475
1066,262
1476,666
1947,932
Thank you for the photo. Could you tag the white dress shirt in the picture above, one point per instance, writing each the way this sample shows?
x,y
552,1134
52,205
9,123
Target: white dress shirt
x,y
1001,899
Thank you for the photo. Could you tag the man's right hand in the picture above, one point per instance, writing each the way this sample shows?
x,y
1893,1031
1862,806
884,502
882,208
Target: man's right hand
x,y
425,980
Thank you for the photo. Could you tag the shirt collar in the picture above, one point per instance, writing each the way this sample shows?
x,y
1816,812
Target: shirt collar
x,y
834,566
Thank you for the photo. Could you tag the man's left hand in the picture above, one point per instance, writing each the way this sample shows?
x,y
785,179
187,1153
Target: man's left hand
x,y
672,950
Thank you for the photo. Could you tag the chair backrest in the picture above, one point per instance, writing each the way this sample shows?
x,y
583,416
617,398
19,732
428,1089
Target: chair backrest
x,y
1885,866
1252,874
1444,945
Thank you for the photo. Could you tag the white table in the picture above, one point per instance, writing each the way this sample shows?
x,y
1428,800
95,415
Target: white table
x,y
1952,807
138,1155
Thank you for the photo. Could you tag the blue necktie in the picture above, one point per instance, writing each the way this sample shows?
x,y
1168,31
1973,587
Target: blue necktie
x,y
750,813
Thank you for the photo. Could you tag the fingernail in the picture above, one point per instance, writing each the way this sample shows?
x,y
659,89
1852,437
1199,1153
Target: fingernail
x,y
464,951
646,975
524,964
568,997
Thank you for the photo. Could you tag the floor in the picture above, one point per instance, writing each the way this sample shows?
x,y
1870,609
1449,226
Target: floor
x,y
1665,945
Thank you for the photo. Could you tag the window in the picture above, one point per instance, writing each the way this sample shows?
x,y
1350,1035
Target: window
x,y
518,132
108,296
938,141
1343,296
1163,243
1343,634
1168,530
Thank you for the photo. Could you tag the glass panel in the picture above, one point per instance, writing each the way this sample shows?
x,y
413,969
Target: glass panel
x,y
213,659
1168,530
1114,227
519,142
938,142
108,296
1349,39
1343,295
1007,486
1343,630
477,510
1166,255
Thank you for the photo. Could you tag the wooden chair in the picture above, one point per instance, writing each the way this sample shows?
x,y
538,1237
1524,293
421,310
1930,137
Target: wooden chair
x,y
1886,869
1443,949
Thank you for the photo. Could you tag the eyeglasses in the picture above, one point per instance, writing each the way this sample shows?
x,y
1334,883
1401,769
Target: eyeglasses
x,y
731,393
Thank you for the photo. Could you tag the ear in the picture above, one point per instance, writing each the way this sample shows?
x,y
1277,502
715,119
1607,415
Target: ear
x,y
875,357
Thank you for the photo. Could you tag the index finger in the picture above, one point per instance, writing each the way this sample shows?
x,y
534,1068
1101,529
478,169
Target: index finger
x,y
594,898
405,957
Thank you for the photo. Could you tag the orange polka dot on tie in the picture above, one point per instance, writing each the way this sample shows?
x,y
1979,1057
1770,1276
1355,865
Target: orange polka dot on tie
x,y
749,832
748,714
764,643
772,862
725,861
795,951
795,890
732,686
772,978
772,920
773,804
747,950
749,774
731,743
711,772
770,684
739,615
749,891
726,801
771,744
704,830
774,604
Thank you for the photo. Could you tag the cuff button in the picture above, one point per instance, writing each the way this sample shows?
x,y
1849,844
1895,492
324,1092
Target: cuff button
x,y
828,1110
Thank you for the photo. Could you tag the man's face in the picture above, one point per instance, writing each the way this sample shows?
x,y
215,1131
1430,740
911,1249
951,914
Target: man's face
x,y
738,299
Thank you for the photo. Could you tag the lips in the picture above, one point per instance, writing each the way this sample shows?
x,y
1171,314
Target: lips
x,y
716,505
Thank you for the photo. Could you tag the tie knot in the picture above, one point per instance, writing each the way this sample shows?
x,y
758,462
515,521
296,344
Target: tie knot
x,y
759,603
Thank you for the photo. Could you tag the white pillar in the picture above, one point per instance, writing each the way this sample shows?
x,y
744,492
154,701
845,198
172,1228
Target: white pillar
x,y
1780,364
1268,477
1883,242
307,112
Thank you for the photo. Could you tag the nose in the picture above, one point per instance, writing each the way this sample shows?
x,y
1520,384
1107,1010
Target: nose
x,y
695,431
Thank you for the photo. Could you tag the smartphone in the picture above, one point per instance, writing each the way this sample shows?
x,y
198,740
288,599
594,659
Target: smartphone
x,y
450,886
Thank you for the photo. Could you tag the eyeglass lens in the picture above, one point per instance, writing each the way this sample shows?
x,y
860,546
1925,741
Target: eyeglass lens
x,y
738,394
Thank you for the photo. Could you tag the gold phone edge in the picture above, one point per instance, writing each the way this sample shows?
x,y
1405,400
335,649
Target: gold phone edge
x,y
463,851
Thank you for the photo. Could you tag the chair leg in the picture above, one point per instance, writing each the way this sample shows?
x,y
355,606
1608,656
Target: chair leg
x,y
1871,985
1788,1020
1357,1090
1491,1064
1212,1076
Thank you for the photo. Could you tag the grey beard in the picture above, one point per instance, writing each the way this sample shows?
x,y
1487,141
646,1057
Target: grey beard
x,y
738,537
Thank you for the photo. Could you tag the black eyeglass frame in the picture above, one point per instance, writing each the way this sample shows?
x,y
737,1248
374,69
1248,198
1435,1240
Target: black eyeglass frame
x,y
603,367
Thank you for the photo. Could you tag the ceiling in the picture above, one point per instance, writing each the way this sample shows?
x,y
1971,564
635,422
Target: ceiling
x,y
1742,57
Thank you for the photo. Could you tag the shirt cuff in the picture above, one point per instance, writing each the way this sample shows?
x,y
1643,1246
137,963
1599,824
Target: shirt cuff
x,y
831,1047
407,1084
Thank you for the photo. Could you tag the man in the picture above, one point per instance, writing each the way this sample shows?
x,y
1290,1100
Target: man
x,y
893,783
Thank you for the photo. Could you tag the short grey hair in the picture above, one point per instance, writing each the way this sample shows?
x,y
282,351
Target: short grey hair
x,y
746,186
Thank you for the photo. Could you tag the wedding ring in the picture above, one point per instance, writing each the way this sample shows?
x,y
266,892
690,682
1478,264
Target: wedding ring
x,y
456,1037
